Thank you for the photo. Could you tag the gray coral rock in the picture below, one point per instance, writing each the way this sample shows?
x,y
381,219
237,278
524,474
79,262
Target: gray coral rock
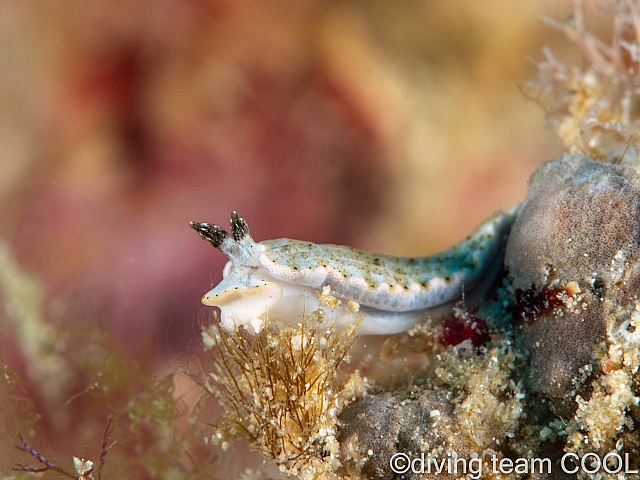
x,y
377,427
563,346
579,223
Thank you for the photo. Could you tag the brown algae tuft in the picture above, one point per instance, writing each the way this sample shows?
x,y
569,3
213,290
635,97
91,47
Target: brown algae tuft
x,y
281,391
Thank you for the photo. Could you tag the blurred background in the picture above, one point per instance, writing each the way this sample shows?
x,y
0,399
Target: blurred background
x,y
395,127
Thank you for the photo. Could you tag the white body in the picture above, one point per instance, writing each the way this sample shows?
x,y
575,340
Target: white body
x,y
284,279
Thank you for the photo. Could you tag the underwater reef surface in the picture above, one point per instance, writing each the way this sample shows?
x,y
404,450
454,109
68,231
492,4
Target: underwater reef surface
x,y
559,379
560,376
579,225
549,390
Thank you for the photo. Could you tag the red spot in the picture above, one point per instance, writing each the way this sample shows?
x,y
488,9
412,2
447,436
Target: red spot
x,y
456,331
534,303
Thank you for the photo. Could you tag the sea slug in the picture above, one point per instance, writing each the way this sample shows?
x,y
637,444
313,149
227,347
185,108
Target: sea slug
x,y
286,278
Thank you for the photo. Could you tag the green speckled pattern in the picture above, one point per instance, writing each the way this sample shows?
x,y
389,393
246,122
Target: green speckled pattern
x,y
392,283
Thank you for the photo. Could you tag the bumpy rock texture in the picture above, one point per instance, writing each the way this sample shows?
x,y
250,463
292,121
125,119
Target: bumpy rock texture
x,y
378,427
465,412
563,345
575,251
580,221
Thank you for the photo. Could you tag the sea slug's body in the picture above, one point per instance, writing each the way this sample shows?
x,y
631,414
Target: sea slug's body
x,y
387,294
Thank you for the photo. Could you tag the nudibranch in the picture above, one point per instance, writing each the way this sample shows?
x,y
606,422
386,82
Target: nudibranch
x,y
287,278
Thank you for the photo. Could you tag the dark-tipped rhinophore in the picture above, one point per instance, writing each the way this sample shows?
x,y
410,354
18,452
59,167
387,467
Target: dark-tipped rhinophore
x,y
212,234
239,228
237,246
